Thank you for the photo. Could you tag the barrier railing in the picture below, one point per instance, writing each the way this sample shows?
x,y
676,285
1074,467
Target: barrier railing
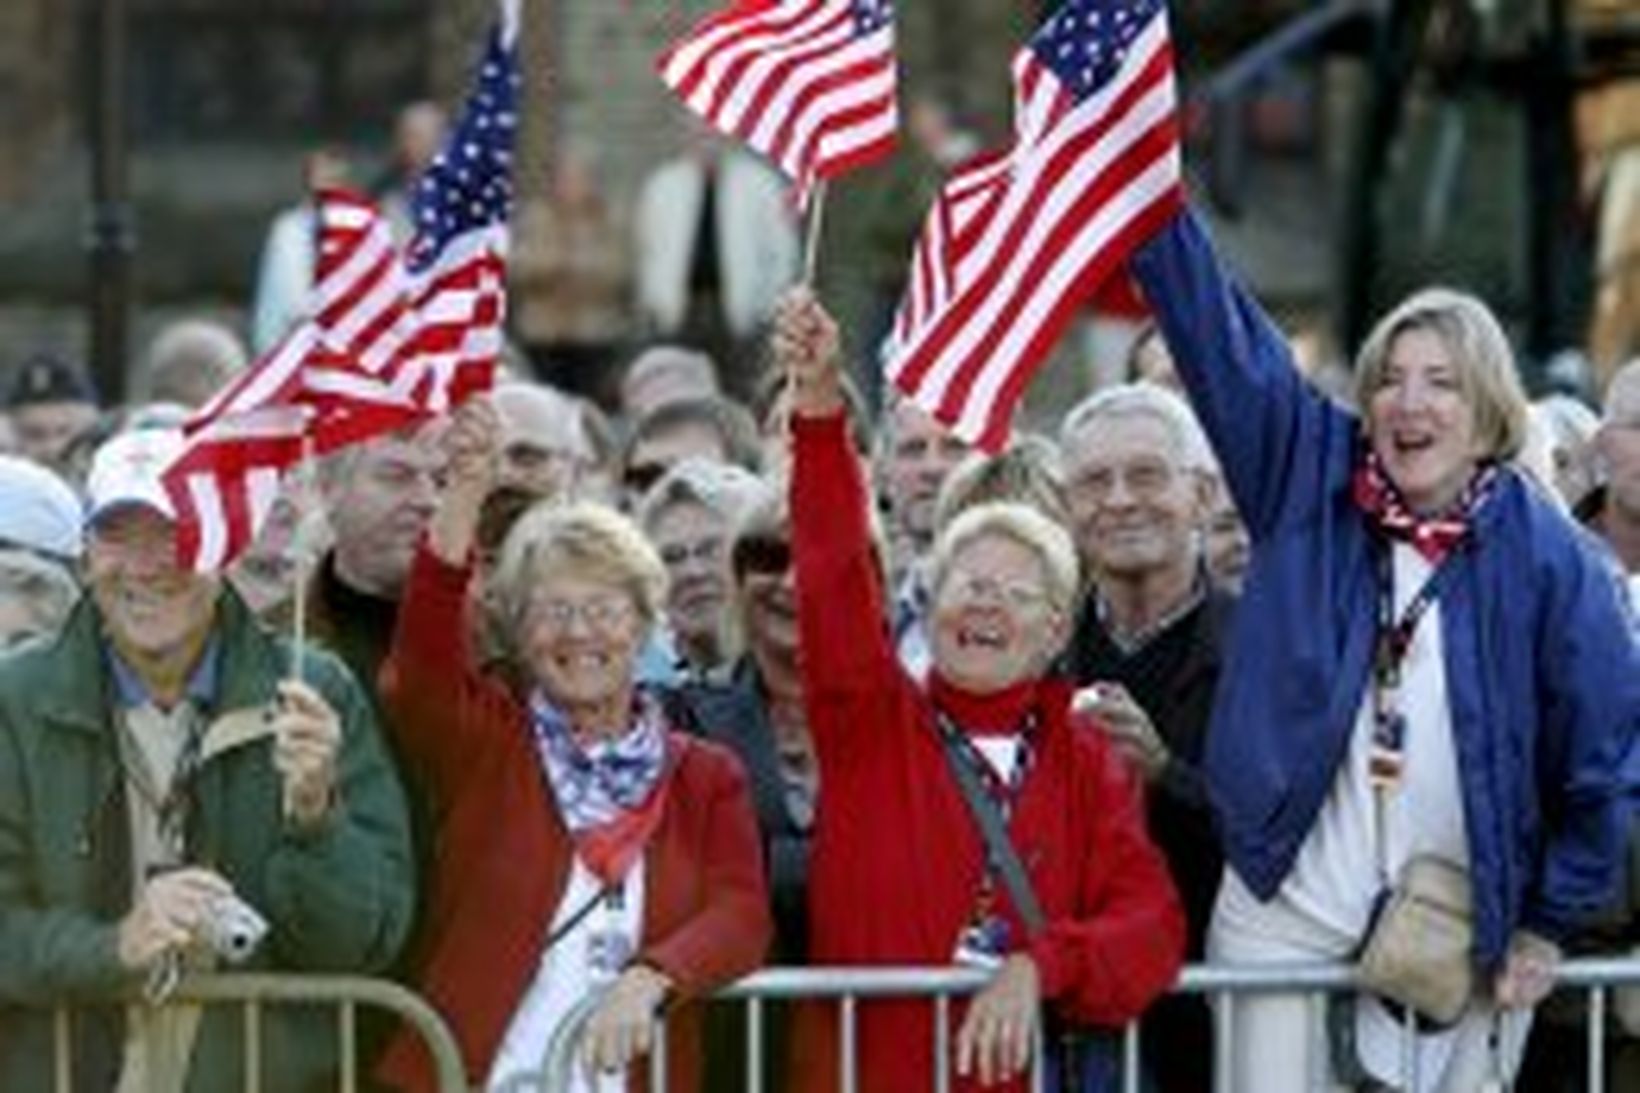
x,y
1224,985
256,992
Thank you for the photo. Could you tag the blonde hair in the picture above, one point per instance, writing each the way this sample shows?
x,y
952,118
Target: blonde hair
x,y
1480,351
1028,471
586,538
1049,541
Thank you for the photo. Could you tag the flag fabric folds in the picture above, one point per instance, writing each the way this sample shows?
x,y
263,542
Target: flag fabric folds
x,y
808,83
1019,238
393,338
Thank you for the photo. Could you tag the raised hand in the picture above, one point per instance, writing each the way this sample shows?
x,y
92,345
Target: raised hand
x,y
472,443
806,346
307,740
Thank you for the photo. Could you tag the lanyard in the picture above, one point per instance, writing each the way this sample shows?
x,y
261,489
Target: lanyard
x,y
1389,723
1002,793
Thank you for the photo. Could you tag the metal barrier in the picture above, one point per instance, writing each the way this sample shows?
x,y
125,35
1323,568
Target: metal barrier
x,y
254,992
1315,982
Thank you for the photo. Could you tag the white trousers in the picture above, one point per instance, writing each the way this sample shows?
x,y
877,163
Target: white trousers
x,y
1279,1041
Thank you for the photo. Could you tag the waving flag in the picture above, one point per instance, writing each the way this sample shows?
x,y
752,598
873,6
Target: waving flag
x,y
808,83
1018,239
393,338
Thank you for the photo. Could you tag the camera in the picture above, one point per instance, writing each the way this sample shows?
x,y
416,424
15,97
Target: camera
x,y
233,929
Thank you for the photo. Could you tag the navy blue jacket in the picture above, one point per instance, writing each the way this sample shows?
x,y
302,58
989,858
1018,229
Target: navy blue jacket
x,y
1543,673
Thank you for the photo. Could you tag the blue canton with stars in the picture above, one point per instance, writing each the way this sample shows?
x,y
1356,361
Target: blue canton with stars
x,y
468,186
1086,41
871,15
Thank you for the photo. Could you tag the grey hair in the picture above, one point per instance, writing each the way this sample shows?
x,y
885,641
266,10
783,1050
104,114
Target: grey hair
x,y
1480,351
1026,526
1185,434
724,489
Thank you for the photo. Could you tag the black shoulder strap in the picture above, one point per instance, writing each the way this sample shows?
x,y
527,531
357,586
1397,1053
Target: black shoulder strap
x,y
991,828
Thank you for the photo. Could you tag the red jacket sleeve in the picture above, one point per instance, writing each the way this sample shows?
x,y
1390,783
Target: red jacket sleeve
x,y
437,698
1106,964
730,935
849,665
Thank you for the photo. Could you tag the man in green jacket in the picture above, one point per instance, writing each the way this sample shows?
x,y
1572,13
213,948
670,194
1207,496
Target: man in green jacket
x,y
164,762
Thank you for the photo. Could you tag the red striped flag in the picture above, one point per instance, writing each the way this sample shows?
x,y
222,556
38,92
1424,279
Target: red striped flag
x,y
1020,238
394,338
808,83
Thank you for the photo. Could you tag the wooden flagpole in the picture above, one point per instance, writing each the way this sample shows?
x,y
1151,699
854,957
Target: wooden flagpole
x,y
811,248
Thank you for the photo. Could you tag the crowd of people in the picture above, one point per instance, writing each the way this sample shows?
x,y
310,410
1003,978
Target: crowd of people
x,y
602,705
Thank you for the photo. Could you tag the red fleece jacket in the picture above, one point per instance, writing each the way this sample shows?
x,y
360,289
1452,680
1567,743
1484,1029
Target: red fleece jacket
x,y
897,857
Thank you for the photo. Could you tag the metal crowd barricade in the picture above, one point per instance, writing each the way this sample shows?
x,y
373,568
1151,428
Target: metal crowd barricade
x,y
256,992
1225,986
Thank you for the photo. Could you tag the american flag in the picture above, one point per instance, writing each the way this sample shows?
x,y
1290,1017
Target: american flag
x,y
808,83
393,338
1019,238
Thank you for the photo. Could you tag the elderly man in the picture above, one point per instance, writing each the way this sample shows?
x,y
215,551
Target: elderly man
x,y
177,792
1613,510
545,450
1137,469
191,359
915,454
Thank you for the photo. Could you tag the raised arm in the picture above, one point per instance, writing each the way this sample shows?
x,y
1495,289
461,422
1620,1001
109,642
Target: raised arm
x,y
1283,446
431,681
846,654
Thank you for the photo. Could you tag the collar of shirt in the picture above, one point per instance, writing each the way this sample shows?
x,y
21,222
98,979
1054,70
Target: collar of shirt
x,y
1131,642
130,691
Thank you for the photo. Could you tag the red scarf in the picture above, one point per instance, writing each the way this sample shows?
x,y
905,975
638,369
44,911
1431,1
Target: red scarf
x,y
1387,511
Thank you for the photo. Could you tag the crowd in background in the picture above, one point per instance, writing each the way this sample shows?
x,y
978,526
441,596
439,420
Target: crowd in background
x,y
659,663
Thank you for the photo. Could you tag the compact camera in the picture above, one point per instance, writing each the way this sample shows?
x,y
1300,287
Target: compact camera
x,y
233,929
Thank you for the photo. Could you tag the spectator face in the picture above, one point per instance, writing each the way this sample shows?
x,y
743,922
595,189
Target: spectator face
x,y
1228,547
581,637
265,574
762,565
659,452
920,456
1135,506
380,506
1618,443
46,429
994,624
692,541
1421,422
35,596
150,604
543,449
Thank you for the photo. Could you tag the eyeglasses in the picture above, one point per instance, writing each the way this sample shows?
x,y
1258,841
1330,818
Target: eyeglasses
x,y
640,476
600,613
705,552
765,555
972,588
1145,479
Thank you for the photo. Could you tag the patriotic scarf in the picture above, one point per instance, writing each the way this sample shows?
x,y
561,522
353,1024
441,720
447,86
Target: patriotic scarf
x,y
1387,511
611,794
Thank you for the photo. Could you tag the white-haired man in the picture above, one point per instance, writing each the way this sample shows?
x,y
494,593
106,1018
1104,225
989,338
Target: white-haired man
x,y
1139,485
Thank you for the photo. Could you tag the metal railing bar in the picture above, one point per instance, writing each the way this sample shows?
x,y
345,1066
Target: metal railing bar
x,y
348,1031
942,1043
1597,1038
754,1044
253,1046
850,1050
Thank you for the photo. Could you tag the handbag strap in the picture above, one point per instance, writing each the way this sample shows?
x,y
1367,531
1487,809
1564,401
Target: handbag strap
x,y
1000,848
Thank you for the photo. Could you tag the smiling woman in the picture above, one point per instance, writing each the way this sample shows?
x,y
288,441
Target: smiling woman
x,y
1429,669
585,846
900,871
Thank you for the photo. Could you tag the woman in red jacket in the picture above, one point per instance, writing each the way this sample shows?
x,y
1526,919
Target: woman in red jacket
x,y
899,872
582,846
